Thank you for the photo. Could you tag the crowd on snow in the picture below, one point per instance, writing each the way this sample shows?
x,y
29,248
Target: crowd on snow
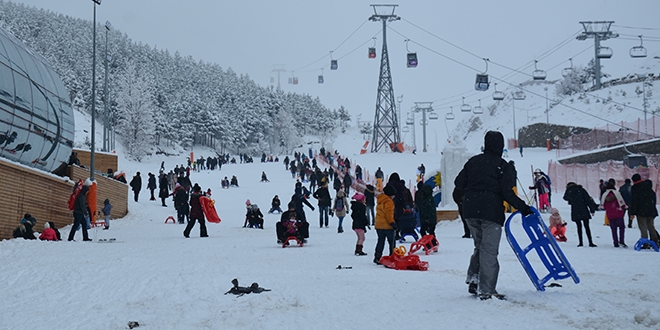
x,y
484,189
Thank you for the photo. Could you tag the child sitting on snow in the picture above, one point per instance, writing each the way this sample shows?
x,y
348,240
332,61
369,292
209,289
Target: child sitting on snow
x,y
557,226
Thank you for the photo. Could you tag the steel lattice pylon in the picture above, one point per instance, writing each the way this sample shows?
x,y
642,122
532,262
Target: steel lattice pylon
x,y
386,126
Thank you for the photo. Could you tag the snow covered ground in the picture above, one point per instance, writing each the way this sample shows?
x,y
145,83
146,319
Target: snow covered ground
x,y
154,276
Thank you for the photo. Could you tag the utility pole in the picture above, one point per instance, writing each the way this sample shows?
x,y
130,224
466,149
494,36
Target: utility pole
x,y
386,126
600,31
278,68
423,107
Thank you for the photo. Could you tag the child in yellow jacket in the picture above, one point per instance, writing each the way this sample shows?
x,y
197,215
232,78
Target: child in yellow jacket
x,y
385,225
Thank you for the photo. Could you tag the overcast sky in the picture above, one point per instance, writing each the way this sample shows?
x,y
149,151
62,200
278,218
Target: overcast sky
x,y
250,36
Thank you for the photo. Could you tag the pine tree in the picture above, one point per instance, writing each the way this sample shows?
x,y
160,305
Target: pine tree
x,y
136,119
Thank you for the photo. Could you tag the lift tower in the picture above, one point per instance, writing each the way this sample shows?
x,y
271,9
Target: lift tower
x,y
600,31
386,126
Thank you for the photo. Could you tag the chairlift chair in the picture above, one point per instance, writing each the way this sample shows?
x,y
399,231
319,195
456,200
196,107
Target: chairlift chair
x,y
538,74
410,121
478,109
450,115
481,82
405,129
638,51
604,52
567,71
465,107
497,95
433,116
519,94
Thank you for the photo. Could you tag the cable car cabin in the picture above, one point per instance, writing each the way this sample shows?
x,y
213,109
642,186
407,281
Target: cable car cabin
x,y
635,161
295,80
290,81
481,83
433,116
519,95
638,52
498,96
320,79
372,52
539,75
333,64
604,52
412,60
405,129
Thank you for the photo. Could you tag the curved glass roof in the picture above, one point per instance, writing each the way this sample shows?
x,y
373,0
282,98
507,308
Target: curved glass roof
x,y
36,118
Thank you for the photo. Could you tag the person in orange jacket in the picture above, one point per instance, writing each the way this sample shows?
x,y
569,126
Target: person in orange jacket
x,y
385,225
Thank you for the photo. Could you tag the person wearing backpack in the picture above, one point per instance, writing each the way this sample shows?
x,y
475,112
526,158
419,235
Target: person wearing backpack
x,y
80,211
339,208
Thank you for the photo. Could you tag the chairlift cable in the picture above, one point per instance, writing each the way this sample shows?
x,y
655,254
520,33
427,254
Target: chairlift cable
x,y
635,28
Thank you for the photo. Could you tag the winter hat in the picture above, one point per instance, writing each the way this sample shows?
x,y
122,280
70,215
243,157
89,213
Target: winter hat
x,y
247,202
636,177
341,193
389,190
554,211
359,197
46,225
196,187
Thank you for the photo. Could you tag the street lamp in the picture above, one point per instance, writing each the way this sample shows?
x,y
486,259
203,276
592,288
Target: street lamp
x,y
106,143
91,158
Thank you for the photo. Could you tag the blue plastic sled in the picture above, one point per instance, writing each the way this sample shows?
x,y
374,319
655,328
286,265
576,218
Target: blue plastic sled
x,y
545,245
642,241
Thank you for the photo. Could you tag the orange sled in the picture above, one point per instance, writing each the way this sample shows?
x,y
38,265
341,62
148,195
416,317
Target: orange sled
x,y
208,207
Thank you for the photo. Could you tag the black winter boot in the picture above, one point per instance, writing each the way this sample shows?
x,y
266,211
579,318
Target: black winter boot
x,y
359,251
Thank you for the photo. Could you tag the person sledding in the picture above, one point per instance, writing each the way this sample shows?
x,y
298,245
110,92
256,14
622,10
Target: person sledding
x,y
557,225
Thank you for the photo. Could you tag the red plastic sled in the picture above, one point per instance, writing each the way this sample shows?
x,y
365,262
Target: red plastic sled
x,y
429,243
292,238
400,261
208,207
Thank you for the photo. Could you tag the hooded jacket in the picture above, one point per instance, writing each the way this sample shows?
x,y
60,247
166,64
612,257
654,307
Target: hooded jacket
x,y
643,199
485,179
341,213
582,205
384,212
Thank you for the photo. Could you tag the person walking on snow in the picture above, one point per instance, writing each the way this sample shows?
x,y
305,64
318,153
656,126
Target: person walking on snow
x,y
136,185
485,179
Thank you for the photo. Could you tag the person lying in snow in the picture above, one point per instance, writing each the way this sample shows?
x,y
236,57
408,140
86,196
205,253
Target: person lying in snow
x,y
241,290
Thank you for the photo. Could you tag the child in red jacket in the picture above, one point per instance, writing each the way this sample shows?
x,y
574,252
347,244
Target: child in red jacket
x,y
49,233
557,225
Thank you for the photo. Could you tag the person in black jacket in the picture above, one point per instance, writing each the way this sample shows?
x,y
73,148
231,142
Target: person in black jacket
x,y
196,213
25,228
427,216
642,206
457,195
370,201
360,221
485,179
151,185
582,208
181,204
136,185
275,205
163,187
624,190
80,211
324,200
336,184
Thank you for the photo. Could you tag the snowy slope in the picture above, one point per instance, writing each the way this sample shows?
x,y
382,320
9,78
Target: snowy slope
x,y
155,276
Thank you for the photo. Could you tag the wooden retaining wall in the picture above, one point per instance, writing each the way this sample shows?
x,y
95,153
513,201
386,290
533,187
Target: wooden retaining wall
x,y
45,195
102,160
26,190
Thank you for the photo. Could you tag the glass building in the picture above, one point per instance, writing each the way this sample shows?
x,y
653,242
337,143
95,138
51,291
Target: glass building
x,y
36,118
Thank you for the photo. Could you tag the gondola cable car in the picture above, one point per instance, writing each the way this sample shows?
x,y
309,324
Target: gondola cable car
x,y
333,63
411,58
538,74
465,107
498,96
372,50
481,83
638,51
321,77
